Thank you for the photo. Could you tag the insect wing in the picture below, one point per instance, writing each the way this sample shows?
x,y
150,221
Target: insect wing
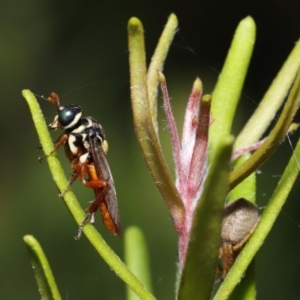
x,y
104,173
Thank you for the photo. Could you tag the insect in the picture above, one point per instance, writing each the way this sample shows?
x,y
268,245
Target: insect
x,y
86,148
239,221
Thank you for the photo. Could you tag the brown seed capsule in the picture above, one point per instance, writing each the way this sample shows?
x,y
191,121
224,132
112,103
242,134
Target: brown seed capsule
x,y
239,221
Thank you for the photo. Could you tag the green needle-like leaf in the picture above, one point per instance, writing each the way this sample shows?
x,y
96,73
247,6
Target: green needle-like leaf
x,y
54,164
42,271
200,266
137,258
274,138
156,65
145,130
230,83
271,102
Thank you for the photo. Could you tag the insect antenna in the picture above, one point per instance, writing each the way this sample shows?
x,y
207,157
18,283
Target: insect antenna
x,y
40,96
53,98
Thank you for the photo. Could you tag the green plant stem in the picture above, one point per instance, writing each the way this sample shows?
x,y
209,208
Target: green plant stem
x,y
137,258
264,226
43,274
91,233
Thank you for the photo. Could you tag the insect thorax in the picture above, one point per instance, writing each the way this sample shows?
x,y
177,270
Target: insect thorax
x,y
78,143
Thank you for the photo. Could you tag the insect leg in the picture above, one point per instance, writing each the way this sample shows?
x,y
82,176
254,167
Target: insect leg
x,y
60,142
70,182
100,193
87,218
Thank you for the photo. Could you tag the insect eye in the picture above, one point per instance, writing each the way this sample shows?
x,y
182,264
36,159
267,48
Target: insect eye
x,y
69,115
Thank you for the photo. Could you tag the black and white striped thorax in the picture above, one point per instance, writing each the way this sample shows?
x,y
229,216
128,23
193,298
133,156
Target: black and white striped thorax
x,y
80,135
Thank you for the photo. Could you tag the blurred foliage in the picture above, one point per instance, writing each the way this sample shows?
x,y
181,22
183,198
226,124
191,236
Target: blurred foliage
x,y
79,50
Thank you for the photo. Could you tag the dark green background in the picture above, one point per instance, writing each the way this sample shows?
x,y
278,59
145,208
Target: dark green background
x,y
79,50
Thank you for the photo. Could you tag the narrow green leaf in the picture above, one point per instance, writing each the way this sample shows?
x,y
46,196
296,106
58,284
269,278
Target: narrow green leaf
x,y
74,207
264,226
198,275
137,258
271,102
54,164
144,127
156,65
274,139
42,271
229,86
